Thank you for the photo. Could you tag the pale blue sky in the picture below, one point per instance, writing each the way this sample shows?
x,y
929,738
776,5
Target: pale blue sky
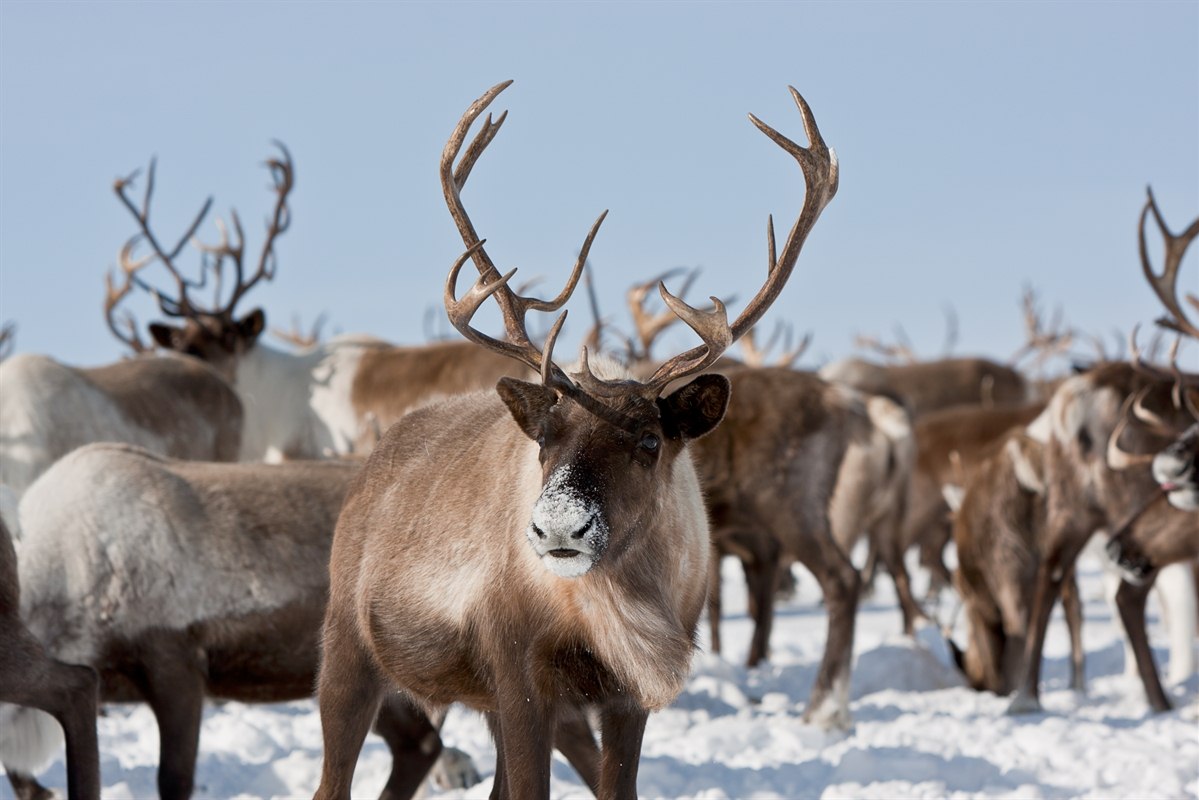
x,y
982,145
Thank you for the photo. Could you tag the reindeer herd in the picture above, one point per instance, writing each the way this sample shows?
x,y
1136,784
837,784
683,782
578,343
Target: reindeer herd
x,y
471,522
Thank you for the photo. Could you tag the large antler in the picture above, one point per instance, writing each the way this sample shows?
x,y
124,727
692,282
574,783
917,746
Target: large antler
x,y
214,256
819,165
1165,285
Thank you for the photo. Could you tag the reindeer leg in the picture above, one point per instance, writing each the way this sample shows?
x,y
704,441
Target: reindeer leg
x,y
761,576
414,743
349,695
1052,570
172,684
1130,599
1072,605
573,738
526,723
622,728
499,784
887,545
828,702
67,692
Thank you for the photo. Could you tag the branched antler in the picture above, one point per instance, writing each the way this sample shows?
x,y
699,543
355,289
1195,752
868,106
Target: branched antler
x,y
819,165
213,256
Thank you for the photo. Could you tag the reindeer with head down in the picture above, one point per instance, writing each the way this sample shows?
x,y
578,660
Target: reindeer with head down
x,y
543,548
329,398
1103,430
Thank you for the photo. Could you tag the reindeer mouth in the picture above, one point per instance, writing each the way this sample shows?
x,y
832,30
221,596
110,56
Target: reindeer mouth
x,y
564,552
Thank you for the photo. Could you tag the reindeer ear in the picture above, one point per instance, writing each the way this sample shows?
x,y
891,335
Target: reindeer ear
x,y
250,327
166,335
697,408
529,403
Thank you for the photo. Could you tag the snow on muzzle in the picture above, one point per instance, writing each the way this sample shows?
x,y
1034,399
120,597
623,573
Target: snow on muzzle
x,y
568,532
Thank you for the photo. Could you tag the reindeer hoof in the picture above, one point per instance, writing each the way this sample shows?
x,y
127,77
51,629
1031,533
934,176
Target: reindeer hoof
x,y
454,770
1024,703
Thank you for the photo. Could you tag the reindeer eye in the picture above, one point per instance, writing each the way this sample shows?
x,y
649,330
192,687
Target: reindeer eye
x,y
650,442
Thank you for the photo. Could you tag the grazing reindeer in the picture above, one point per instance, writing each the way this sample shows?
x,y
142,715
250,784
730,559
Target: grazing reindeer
x,y
29,677
186,580
575,579
1094,486
997,531
329,398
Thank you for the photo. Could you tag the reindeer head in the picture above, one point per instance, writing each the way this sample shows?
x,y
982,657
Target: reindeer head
x,y
607,442
212,333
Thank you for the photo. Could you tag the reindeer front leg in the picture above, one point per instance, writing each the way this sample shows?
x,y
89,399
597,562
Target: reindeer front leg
x,y
622,726
524,726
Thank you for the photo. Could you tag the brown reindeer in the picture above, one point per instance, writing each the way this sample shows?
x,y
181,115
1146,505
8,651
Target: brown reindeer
x,y
29,677
997,530
543,550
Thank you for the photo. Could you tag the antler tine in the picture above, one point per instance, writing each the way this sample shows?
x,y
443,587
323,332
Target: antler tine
x,y
1118,459
818,163
1165,285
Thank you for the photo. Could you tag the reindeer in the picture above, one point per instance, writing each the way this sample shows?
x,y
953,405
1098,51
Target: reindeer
x,y
187,580
578,578
997,531
1094,486
173,405
329,398
30,677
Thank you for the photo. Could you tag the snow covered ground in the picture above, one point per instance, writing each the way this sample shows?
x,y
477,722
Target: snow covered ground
x,y
736,733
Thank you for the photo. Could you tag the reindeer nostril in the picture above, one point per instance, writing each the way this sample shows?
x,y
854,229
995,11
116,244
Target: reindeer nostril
x,y
540,533
581,532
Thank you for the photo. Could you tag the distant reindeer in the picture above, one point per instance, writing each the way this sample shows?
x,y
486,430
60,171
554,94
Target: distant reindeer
x,y
543,550
330,398
998,531
1106,427
186,580
29,677
173,405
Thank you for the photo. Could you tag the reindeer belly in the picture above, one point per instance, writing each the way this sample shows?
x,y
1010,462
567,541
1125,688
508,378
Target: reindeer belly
x,y
262,658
